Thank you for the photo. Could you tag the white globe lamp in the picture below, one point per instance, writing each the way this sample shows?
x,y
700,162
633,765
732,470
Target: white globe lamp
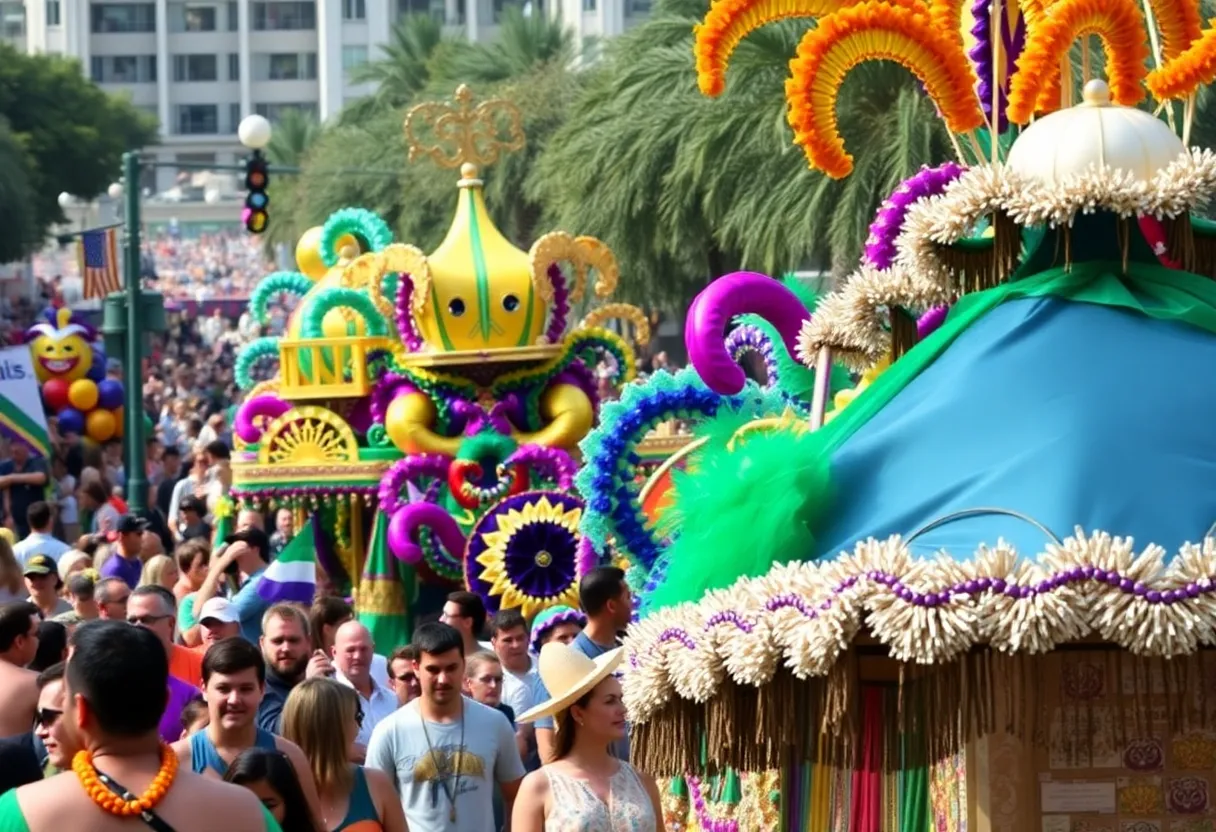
x,y
254,132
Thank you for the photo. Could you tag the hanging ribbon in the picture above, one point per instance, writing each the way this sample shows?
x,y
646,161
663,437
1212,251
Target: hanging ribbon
x,y
866,804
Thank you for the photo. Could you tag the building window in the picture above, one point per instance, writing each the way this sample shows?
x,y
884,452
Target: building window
x,y
234,16
123,69
195,68
52,13
637,7
109,18
197,119
353,57
234,66
588,5
278,17
194,18
354,9
285,66
12,23
274,112
434,8
234,117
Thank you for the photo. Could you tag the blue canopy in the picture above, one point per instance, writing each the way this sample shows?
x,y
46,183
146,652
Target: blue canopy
x,y
1069,413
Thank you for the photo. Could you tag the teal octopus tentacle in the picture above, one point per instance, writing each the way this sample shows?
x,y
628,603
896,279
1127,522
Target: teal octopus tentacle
x,y
276,283
372,232
255,351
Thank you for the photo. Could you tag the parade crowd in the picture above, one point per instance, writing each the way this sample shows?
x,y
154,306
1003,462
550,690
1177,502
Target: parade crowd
x,y
145,678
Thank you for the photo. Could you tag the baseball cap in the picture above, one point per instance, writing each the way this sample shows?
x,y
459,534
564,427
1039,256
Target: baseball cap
x,y
42,565
254,537
129,523
220,609
195,504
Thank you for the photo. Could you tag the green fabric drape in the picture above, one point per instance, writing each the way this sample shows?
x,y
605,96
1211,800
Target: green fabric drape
x,y
1151,290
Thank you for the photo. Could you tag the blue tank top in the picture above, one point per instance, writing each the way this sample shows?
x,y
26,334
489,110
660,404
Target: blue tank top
x,y
361,808
203,755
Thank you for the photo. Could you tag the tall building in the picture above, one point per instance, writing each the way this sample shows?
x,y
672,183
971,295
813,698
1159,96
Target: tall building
x,y
201,66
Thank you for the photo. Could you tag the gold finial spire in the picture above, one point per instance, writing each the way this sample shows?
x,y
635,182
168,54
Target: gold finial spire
x,y
464,136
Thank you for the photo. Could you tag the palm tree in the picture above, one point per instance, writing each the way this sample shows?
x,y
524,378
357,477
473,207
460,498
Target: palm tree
x,y
404,68
293,136
524,42
686,188
528,65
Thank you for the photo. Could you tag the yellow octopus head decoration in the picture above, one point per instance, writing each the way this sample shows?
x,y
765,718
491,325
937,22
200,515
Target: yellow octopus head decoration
x,y
477,292
61,348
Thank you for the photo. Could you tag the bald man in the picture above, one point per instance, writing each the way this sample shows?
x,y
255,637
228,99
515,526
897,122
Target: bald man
x,y
249,519
352,655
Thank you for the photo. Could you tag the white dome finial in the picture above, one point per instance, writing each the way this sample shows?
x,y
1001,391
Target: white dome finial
x,y
1096,93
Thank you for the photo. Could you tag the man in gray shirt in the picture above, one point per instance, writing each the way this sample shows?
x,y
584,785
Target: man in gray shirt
x,y
444,752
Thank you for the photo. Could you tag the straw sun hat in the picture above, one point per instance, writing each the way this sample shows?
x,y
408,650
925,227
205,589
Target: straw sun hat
x,y
568,676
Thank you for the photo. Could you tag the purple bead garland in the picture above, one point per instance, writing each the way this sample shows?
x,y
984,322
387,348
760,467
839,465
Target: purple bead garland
x,y
384,391
880,247
708,824
560,310
943,597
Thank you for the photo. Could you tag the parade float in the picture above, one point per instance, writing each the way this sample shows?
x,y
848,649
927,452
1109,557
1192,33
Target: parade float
x,y
70,362
981,596
431,405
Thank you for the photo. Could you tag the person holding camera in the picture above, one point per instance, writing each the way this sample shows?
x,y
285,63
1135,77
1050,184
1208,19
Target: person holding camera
x,y
240,563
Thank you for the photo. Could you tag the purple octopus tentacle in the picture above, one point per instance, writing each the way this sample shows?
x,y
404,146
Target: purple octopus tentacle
x,y
880,246
552,463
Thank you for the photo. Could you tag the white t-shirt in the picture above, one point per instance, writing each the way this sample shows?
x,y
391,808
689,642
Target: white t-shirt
x,y
427,764
38,543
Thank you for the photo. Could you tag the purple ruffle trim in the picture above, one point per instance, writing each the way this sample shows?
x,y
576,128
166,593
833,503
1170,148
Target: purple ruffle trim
x,y
405,318
569,617
560,311
749,338
880,247
981,57
928,323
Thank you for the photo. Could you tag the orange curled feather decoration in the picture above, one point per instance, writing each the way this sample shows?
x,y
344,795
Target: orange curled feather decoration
x,y
1180,25
1117,22
730,21
873,31
1188,71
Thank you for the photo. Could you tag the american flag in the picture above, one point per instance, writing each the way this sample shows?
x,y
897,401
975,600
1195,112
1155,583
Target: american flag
x,y
98,253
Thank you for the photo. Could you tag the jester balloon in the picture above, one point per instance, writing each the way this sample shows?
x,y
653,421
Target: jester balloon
x,y
61,347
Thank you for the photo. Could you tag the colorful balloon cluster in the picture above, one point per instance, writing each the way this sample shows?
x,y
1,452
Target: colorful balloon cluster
x,y
71,364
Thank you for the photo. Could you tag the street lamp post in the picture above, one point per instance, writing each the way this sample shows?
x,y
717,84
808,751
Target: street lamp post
x,y
133,410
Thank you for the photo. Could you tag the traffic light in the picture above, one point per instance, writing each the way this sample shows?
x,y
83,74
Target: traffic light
x,y
257,201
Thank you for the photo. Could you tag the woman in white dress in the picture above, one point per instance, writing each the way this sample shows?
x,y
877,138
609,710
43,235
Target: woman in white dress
x,y
585,789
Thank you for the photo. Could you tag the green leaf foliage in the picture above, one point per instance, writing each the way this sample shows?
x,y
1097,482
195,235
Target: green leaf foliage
x,y
71,133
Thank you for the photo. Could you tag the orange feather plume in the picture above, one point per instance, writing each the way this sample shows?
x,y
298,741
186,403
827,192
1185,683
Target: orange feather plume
x,y
1187,71
1119,25
873,31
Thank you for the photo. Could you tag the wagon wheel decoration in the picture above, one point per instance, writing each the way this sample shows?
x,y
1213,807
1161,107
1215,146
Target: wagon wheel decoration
x,y
525,552
308,436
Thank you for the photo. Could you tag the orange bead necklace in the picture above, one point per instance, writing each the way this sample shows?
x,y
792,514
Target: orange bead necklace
x,y
125,805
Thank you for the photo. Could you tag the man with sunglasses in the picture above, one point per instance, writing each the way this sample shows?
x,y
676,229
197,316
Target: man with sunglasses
x,y
53,732
151,607
402,676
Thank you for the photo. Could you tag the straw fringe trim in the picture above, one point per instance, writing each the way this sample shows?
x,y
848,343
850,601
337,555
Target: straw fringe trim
x,y
803,616
850,320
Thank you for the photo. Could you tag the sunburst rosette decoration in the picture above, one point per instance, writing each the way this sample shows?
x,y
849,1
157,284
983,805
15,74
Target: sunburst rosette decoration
x,y
411,392
526,553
